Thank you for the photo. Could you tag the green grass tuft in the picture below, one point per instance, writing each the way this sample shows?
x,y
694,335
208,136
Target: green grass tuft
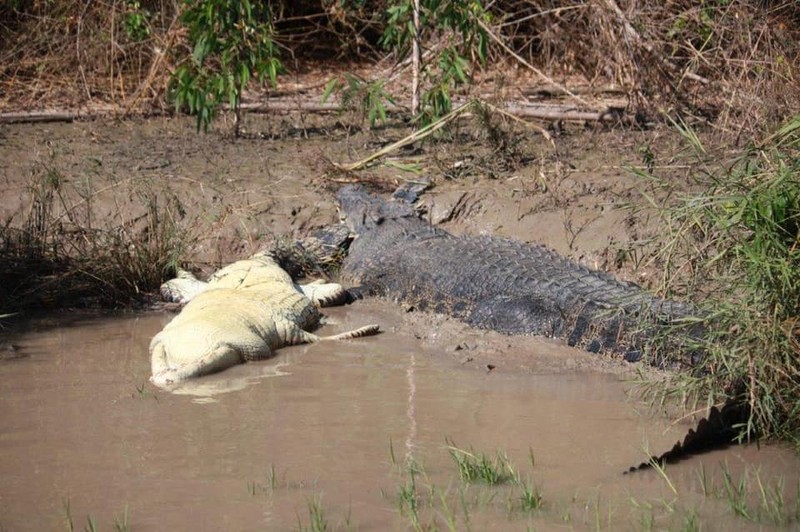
x,y
735,246
481,467
530,497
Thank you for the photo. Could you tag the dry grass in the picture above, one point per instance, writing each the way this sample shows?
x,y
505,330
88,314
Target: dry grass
x,y
60,256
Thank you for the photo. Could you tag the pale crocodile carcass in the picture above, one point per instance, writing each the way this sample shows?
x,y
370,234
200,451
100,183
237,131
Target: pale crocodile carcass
x,y
245,312
493,283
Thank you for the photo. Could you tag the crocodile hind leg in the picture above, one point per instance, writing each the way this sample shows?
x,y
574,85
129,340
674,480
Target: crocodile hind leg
x,y
518,314
323,294
296,335
183,288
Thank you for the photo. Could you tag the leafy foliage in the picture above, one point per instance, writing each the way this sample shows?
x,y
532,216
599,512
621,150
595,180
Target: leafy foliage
x,y
366,98
232,43
136,21
457,30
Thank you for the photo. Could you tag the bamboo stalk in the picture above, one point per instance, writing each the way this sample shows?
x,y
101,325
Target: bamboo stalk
x,y
415,63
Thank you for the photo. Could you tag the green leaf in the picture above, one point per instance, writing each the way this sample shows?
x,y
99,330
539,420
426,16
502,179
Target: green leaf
x,y
332,85
244,76
199,51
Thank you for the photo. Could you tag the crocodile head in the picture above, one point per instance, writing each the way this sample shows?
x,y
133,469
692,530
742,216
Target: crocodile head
x,y
362,211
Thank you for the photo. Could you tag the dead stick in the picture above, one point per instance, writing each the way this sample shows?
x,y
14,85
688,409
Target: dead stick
x,y
530,66
417,135
525,123
156,64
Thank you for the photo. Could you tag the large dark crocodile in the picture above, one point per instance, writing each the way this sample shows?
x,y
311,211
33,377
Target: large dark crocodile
x,y
494,283
516,288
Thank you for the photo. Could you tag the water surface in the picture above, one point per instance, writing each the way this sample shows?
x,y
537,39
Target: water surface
x,y
335,424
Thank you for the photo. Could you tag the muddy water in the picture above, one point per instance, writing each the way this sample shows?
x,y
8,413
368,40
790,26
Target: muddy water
x,y
84,435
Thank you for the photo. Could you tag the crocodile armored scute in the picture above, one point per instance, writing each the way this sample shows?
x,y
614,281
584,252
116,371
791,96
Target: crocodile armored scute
x,y
492,283
244,313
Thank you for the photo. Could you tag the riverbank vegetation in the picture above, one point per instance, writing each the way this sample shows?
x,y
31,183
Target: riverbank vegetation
x,y
734,247
69,252
731,63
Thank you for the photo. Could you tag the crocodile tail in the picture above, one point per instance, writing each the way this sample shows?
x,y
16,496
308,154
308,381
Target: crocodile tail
x,y
367,330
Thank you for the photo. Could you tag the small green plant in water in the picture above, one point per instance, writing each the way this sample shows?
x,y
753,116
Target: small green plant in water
x,y
481,467
317,515
232,43
691,522
407,500
122,524
736,493
530,497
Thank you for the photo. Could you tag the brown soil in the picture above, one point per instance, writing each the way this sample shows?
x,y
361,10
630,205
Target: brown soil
x,y
577,195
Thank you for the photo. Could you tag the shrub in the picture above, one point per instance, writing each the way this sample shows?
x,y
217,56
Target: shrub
x,y
231,44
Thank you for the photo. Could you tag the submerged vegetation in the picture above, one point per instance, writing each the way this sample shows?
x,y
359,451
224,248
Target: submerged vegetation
x,y
734,243
734,496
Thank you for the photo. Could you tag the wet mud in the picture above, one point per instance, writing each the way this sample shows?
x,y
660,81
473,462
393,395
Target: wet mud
x,y
230,198
334,424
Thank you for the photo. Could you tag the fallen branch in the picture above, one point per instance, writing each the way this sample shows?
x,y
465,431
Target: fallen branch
x,y
415,136
462,110
540,111
609,114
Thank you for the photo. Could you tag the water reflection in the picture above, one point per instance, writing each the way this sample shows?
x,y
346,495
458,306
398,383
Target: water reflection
x,y
236,379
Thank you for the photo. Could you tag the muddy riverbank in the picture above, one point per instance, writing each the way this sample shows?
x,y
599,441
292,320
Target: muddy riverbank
x,y
333,425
